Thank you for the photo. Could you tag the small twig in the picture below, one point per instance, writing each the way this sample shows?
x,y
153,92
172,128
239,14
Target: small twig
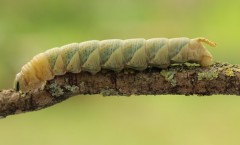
x,y
179,79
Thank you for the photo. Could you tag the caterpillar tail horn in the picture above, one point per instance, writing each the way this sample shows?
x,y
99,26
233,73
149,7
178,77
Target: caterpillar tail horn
x,y
205,40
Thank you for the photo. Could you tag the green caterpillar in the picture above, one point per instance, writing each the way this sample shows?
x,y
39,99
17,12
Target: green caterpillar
x,y
113,54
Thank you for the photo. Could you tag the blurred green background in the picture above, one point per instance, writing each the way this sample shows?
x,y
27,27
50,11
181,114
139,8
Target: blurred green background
x,y
29,27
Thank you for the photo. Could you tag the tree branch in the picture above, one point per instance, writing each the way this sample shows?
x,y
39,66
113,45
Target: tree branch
x,y
185,79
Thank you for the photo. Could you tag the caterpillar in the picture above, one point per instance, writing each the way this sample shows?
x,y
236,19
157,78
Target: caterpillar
x,y
112,54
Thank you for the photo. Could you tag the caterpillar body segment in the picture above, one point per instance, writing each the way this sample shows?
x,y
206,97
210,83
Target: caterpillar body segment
x,y
113,54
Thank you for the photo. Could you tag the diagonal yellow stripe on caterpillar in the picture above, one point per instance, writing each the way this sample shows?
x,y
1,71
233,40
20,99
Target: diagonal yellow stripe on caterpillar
x,y
112,54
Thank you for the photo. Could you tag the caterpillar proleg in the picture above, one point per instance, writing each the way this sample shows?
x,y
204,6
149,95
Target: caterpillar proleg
x,y
112,54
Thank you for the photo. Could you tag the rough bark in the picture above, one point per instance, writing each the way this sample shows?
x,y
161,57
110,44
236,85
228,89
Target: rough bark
x,y
184,79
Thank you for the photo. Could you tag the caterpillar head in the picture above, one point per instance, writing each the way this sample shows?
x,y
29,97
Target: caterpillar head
x,y
204,56
20,83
